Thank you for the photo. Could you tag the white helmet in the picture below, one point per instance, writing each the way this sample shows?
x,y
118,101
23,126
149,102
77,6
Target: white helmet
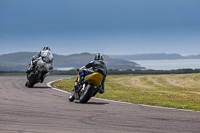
x,y
46,48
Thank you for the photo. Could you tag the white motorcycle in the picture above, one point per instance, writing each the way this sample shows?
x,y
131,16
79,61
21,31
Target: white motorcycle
x,y
42,67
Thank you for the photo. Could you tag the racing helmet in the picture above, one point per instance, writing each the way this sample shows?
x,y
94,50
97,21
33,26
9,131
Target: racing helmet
x,y
98,56
46,48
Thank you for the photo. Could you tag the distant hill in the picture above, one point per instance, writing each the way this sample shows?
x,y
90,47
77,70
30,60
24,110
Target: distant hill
x,y
19,61
15,61
157,56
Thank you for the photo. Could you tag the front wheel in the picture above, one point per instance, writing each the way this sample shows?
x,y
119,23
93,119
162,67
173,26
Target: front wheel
x,y
71,96
87,93
32,79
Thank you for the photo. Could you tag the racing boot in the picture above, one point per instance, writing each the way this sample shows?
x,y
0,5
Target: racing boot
x,y
41,79
43,76
101,91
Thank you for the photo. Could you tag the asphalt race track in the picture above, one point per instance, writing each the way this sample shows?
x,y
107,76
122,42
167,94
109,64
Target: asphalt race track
x,y
44,110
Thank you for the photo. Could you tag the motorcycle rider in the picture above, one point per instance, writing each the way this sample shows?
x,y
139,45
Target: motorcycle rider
x,y
97,65
46,60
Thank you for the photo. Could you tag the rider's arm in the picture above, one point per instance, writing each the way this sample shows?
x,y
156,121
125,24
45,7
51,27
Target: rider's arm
x,y
89,65
83,67
36,55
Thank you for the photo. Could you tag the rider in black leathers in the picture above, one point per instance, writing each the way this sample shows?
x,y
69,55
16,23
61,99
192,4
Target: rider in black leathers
x,y
97,65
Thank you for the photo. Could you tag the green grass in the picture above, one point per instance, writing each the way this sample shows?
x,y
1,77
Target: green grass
x,y
181,91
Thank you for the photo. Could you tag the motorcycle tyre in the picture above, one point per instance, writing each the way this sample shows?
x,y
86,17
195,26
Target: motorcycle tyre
x,y
87,94
71,96
33,80
96,90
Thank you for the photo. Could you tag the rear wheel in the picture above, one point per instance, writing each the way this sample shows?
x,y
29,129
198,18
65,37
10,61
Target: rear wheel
x,y
87,93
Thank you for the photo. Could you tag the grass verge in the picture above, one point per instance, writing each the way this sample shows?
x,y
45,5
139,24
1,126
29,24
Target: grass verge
x,y
181,91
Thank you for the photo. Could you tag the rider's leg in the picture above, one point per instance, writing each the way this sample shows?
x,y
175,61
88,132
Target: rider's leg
x,y
82,75
101,90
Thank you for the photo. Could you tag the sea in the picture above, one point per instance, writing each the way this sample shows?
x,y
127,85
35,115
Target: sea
x,y
160,64
64,68
169,64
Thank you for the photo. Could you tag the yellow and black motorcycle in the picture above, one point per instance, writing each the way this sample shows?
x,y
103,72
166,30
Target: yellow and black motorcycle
x,y
90,86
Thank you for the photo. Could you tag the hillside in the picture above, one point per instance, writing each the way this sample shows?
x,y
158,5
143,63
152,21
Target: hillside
x,y
19,61
156,56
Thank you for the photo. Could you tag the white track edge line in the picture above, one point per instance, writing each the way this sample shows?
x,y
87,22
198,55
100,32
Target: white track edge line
x,y
49,85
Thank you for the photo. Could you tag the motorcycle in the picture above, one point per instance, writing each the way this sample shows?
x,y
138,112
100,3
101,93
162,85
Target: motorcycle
x,y
87,89
42,67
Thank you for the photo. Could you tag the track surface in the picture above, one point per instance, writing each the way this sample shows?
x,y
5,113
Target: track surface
x,y
43,110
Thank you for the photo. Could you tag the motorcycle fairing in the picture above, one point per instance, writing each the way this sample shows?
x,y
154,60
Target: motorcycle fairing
x,y
94,78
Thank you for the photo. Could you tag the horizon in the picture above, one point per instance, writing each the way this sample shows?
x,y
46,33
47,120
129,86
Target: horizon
x,y
102,53
113,27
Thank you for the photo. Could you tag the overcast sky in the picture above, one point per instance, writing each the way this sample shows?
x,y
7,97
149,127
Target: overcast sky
x,y
105,26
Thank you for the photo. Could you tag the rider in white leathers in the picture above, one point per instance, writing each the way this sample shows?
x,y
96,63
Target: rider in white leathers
x,y
46,56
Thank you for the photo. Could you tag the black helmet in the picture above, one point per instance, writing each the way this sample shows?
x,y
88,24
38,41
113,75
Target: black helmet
x,y
98,56
46,48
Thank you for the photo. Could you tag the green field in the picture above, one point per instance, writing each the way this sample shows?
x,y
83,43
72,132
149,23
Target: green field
x,y
181,91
